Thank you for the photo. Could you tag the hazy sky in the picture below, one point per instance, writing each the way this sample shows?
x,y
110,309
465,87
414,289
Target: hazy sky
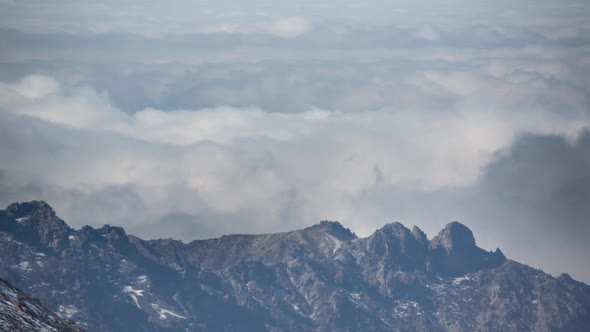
x,y
192,119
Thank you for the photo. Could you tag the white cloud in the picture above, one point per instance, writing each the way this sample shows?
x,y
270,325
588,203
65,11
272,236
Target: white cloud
x,y
290,27
245,159
35,87
42,97
427,32
287,27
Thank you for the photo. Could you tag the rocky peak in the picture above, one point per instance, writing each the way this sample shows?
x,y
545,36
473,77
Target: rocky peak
x,y
455,236
499,253
455,253
115,235
396,229
397,232
452,252
39,209
395,245
419,235
566,278
38,223
35,212
112,232
333,228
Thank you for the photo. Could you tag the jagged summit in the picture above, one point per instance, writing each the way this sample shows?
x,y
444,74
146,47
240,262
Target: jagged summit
x,y
114,231
404,247
394,228
452,252
333,228
34,212
400,231
33,208
36,222
455,236
419,235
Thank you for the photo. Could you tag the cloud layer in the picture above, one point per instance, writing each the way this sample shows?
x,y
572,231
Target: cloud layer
x,y
244,169
194,120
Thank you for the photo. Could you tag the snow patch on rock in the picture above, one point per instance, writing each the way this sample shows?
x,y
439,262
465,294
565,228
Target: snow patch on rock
x,y
165,313
133,293
67,311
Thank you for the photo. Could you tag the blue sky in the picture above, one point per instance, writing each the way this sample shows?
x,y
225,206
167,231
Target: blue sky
x,y
192,119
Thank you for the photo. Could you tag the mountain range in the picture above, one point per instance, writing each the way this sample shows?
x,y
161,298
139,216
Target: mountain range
x,y
321,278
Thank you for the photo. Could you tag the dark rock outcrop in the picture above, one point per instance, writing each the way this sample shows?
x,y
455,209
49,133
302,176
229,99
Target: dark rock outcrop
x,y
454,252
36,222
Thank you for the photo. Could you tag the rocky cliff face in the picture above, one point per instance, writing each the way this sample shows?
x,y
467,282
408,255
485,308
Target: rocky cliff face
x,y
20,312
322,278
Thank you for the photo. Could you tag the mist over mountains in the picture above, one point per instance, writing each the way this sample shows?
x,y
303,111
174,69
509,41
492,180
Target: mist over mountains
x,y
246,116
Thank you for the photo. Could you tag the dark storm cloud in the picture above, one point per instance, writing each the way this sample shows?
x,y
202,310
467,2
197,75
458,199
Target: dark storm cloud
x,y
548,178
535,197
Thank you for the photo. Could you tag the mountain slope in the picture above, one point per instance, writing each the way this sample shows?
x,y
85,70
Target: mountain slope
x,y
319,278
20,312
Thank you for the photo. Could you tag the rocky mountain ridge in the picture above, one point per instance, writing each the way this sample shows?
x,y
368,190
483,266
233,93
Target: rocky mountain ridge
x,y
321,278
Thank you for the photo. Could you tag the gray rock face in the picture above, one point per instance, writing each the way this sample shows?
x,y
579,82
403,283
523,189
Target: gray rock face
x,y
321,278
37,223
455,237
20,312
454,252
